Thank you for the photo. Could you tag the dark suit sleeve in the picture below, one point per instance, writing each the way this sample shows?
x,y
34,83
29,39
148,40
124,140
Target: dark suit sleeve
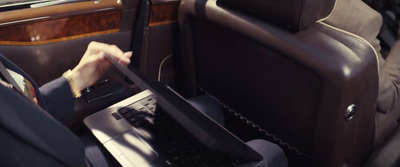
x,y
58,97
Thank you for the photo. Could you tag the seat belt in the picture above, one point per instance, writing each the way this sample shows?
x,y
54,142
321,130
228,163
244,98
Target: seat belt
x,y
138,36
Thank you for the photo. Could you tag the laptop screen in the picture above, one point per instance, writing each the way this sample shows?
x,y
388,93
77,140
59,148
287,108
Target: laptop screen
x,y
195,122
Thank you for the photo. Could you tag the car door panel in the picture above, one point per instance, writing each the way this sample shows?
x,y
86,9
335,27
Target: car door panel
x,y
49,40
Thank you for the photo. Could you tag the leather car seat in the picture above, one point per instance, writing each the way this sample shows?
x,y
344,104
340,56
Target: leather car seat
x,y
366,23
308,84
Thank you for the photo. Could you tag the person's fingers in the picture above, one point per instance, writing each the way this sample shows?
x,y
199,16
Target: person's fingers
x,y
128,54
113,50
103,56
96,46
123,60
110,50
126,59
107,51
115,53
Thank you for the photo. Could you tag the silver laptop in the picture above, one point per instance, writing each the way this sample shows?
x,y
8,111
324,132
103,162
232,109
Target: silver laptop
x,y
157,127
124,141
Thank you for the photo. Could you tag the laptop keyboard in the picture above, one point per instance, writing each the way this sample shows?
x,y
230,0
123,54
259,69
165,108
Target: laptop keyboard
x,y
137,112
169,138
182,148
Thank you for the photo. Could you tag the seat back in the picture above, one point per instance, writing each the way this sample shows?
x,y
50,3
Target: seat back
x,y
298,83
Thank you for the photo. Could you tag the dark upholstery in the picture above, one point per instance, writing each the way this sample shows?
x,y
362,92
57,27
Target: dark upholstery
x,y
297,14
295,85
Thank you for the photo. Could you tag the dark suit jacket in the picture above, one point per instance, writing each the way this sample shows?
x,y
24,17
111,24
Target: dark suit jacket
x,y
32,135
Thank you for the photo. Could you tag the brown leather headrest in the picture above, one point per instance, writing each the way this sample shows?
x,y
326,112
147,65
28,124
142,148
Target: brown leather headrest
x,y
297,14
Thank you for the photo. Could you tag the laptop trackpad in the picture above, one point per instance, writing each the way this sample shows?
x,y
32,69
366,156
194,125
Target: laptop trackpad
x,y
130,150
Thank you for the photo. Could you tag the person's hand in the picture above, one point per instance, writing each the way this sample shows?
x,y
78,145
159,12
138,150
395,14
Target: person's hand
x,y
94,63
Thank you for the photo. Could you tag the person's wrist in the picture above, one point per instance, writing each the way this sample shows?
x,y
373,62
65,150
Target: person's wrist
x,y
73,82
79,80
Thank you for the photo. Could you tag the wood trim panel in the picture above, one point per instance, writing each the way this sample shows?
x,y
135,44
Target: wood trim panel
x,y
164,13
60,28
49,12
57,23
59,39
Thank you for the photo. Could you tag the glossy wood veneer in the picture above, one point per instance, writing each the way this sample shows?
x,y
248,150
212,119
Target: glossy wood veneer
x,y
60,28
163,12
49,12
51,24
58,39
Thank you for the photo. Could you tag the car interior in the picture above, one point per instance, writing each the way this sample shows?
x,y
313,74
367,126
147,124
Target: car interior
x,y
281,70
